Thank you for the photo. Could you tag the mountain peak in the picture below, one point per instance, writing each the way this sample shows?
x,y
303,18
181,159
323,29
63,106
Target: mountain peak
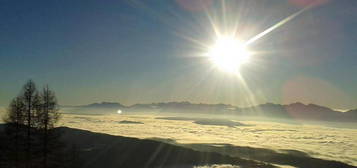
x,y
297,104
104,105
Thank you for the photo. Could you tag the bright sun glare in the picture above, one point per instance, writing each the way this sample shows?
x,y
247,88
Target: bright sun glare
x,y
228,53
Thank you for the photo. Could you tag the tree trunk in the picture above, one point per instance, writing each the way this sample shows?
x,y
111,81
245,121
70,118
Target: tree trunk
x,y
28,146
17,142
45,149
46,111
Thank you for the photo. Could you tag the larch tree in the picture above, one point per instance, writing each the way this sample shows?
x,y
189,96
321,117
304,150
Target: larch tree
x,y
15,119
48,116
31,100
30,120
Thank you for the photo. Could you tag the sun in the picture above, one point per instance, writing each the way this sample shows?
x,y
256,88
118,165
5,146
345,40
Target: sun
x,y
228,54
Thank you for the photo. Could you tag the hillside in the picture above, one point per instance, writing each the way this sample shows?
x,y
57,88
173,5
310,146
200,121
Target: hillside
x,y
103,150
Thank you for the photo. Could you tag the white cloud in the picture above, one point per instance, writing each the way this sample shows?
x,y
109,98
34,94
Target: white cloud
x,y
318,141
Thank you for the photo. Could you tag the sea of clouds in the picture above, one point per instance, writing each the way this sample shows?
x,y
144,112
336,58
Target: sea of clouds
x,y
318,141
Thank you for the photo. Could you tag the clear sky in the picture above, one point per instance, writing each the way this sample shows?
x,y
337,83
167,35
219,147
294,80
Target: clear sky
x,y
133,51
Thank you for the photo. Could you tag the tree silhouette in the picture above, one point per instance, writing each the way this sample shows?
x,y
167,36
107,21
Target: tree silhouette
x,y
47,117
15,120
30,122
31,100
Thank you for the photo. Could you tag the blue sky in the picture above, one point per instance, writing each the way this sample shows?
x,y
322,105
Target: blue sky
x,y
133,51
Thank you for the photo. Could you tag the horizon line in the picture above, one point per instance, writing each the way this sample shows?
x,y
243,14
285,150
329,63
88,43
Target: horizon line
x,y
297,102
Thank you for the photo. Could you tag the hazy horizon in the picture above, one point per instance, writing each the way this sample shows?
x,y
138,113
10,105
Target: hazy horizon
x,y
128,105
5,104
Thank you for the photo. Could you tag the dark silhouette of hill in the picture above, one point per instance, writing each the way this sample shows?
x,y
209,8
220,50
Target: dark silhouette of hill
x,y
219,122
95,108
102,150
206,121
284,157
295,111
104,105
97,150
129,122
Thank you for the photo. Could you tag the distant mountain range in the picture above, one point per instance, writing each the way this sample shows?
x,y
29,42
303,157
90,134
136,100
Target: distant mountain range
x,y
103,105
297,111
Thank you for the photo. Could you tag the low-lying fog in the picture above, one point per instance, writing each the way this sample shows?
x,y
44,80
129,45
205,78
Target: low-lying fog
x,y
319,141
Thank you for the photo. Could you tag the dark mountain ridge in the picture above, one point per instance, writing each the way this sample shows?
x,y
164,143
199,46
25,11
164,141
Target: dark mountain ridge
x,y
298,111
103,105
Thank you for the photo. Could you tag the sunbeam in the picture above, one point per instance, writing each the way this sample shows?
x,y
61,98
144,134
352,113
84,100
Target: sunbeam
x,y
277,25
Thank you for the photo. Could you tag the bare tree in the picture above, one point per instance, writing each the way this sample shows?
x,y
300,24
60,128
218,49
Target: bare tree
x,y
30,120
31,101
47,117
15,120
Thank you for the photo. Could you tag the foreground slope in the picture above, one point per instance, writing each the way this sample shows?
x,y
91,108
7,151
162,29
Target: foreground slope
x,y
103,150
97,150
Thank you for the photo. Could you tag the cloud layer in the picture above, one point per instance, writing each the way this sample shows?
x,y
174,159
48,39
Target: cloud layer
x,y
318,141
